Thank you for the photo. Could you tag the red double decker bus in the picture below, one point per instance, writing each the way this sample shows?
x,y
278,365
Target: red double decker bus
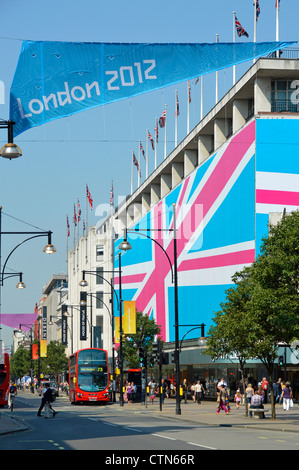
x,y
4,381
89,376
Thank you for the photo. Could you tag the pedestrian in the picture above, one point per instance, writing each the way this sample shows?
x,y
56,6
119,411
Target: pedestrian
x,y
134,391
287,397
129,393
198,392
248,394
193,393
185,390
265,385
237,398
256,402
46,402
221,399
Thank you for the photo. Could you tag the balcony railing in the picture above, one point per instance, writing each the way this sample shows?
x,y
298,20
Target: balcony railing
x,y
279,106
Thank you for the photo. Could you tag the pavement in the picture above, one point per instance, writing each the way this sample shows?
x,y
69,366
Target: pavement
x,y
203,414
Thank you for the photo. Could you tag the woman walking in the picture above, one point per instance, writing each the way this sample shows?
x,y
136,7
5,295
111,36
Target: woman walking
x,y
287,396
221,399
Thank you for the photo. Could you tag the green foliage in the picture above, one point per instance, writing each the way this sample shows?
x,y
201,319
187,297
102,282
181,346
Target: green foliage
x,y
20,363
56,360
146,330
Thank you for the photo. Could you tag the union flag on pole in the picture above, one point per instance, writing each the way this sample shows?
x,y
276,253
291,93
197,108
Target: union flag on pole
x,y
142,149
68,226
75,216
177,110
88,195
151,140
136,164
277,3
240,30
162,119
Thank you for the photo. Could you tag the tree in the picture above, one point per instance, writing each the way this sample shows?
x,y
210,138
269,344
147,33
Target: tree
x,y
56,360
146,330
263,306
229,333
20,363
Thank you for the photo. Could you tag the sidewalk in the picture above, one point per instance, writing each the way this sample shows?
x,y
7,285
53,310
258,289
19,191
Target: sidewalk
x,y
205,414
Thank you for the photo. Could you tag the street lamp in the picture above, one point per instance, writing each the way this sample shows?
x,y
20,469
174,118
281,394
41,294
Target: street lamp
x,y
125,246
9,150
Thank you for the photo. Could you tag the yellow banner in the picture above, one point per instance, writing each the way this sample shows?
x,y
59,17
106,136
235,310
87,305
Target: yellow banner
x,y
116,330
129,317
43,348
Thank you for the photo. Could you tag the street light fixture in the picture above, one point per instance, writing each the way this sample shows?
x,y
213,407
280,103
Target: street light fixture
x,y
9,150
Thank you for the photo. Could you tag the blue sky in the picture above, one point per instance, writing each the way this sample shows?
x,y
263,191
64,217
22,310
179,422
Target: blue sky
x,y
94,147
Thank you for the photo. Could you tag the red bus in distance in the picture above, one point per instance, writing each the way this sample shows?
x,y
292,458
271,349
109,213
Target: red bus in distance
x,y
89,376
4,381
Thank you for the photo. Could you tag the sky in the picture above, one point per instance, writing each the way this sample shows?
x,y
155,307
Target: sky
x,y
38,191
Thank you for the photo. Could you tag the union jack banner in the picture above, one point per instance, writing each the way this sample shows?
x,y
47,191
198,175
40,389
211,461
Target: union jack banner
x,y
189,91
75,216
162,119
90,200
205,260
68,226
177,107
277,3
151,140
79,211
136,163
240,30
142,150
258,10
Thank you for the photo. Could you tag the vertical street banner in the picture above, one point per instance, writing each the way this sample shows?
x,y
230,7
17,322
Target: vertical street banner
x,y
83,317
44,328
57,79
35,352
116,330
129,317
64,325
43,348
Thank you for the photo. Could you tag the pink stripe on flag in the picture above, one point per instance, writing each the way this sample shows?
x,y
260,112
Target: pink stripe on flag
x,y
227,259
289,198
129,279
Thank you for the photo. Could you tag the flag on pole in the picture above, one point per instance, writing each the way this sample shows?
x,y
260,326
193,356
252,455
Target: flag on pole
x,y
162,119
111,195
79,211
75,216
135,162
196,81
68,226
151,140
156,131
258,10
84,226
88,195
277,3
240,30
189,91
177,107
142,149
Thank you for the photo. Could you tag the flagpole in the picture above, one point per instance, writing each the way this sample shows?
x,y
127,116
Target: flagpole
x,y
156,143
188,106
86,217
255,24
139,167
165,142
86,210
67,243
234,40
132,174
176,120
277,24
146,154
217,78
201,98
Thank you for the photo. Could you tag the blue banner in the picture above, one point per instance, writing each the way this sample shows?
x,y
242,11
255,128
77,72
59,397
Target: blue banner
x,y
57,79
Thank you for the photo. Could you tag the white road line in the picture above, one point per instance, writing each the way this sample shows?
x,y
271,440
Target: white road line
x,y
200,445
132,429
164,437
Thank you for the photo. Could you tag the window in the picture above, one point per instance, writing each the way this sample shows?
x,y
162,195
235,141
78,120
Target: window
x,y
99,252
99,301
99,275
282,96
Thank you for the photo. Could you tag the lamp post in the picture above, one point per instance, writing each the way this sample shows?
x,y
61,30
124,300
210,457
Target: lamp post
x,y
49,249
84,283
125,246
31,351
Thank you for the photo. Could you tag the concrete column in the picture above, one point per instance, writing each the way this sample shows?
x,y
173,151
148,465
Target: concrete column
x,y
262,95
165,184
240,114
177,173
155,193
191,158
205,146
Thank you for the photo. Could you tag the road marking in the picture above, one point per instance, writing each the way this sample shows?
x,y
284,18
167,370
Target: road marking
x,y
164,437
132,429
201,445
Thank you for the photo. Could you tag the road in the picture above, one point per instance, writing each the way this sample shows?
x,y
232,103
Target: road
x,y
113,429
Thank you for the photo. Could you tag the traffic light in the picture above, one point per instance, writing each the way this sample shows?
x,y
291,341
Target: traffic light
x,y
164,358
152,361
155,352
280,360
141,357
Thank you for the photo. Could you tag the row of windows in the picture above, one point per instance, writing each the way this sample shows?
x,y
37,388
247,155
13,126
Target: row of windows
x,y
284,96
